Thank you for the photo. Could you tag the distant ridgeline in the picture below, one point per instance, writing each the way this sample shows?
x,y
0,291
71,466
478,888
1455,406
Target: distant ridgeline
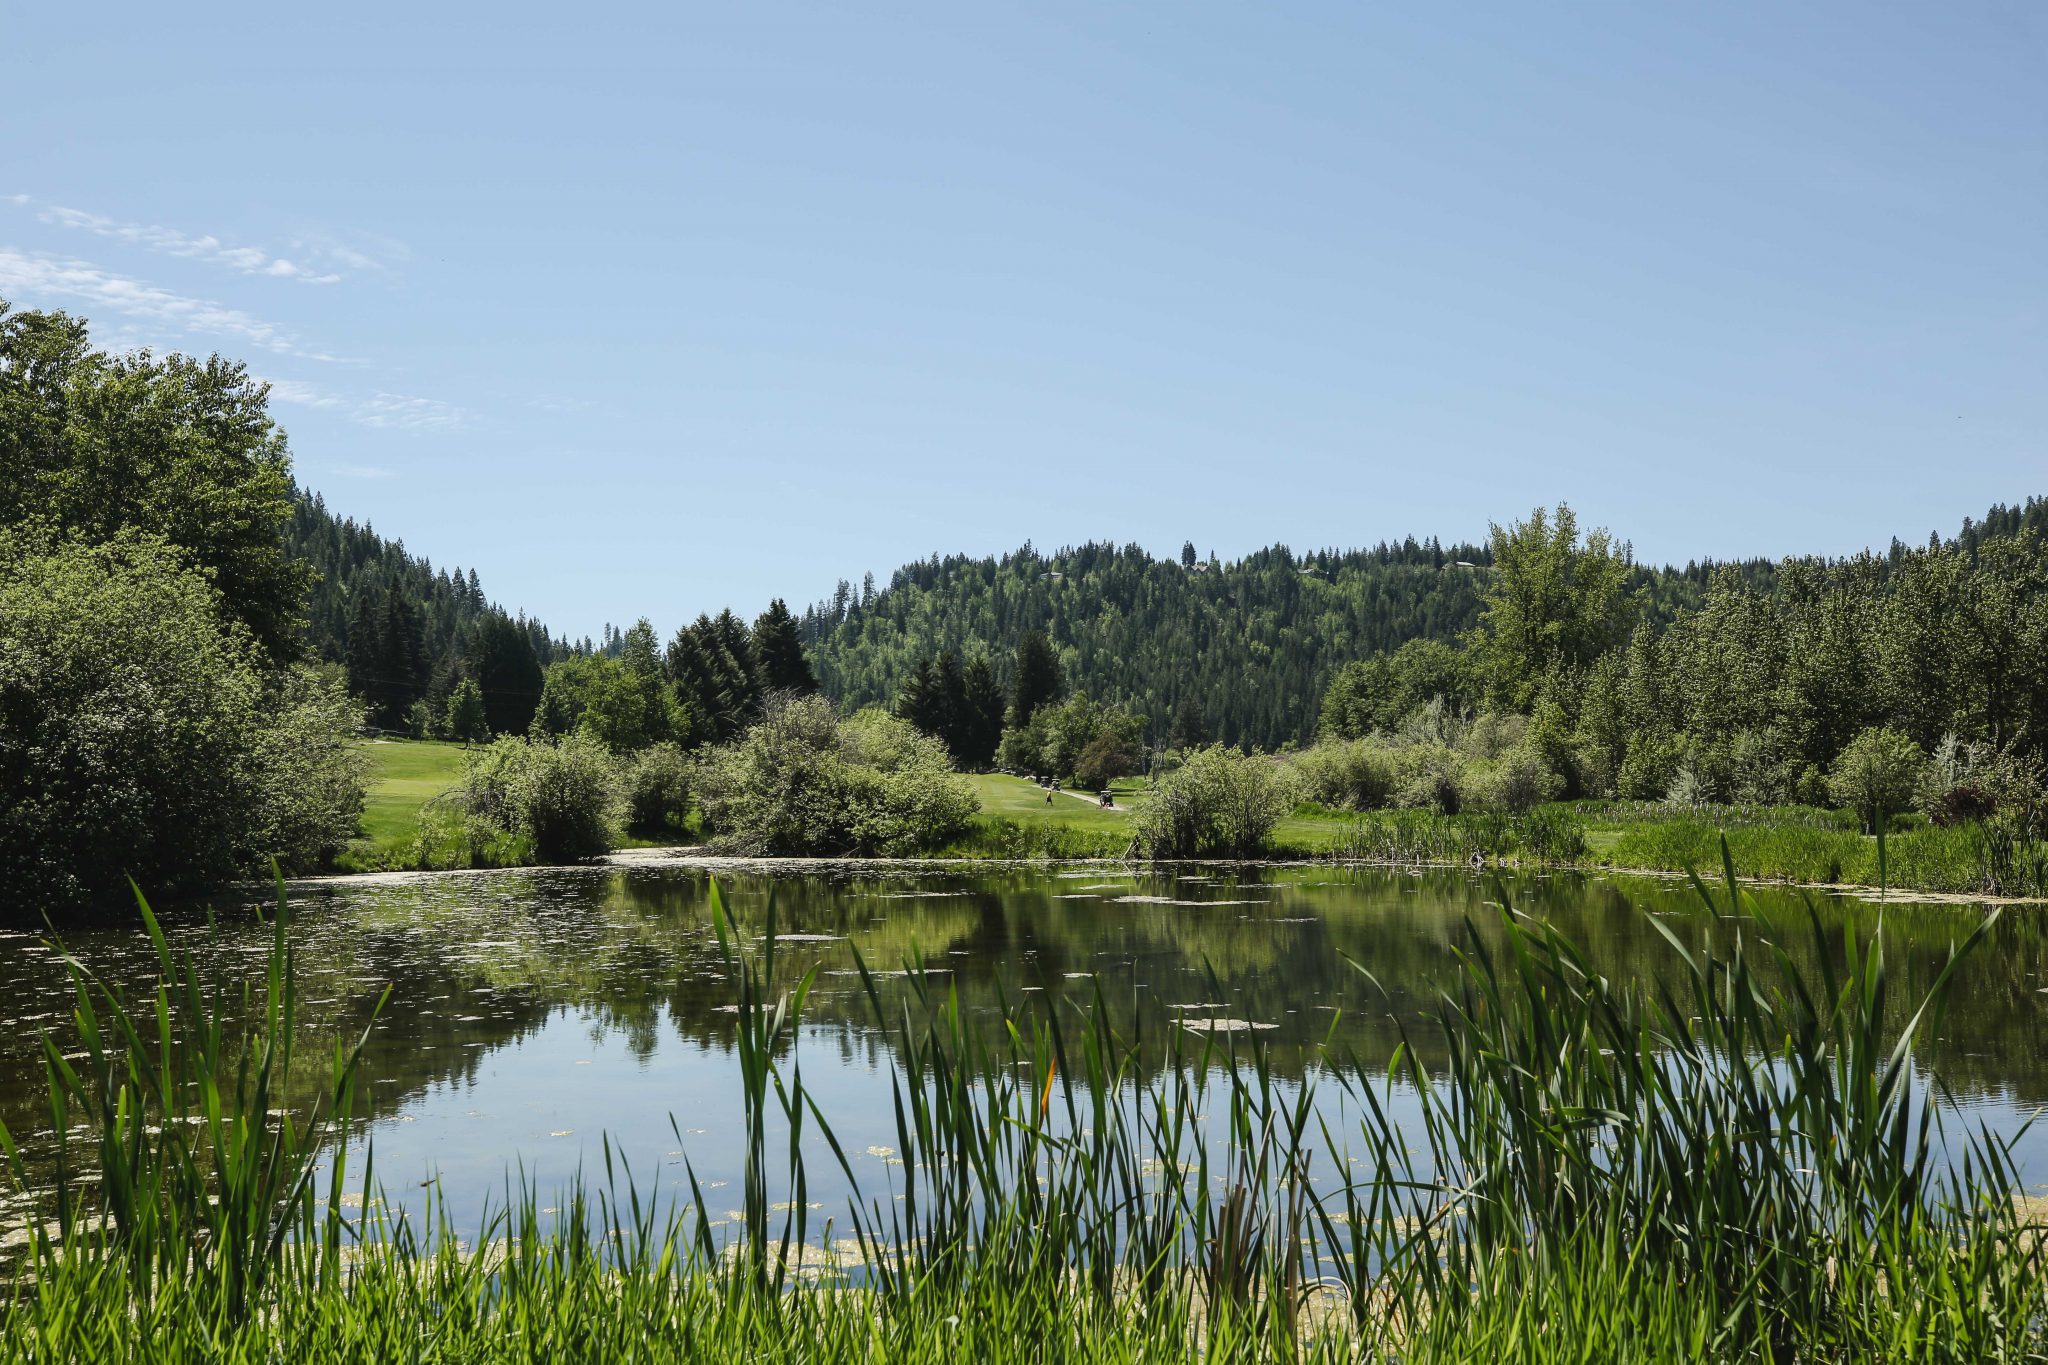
x,y
409,632
1252,643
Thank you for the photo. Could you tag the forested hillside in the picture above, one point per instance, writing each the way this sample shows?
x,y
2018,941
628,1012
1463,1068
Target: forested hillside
x,y
1251,643
408,632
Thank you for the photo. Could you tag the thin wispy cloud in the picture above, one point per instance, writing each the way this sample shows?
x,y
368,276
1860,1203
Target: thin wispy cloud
x,y
383,411
404,413
302,395
38,277
247,260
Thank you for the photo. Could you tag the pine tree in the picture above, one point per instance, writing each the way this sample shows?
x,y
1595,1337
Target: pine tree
x,y
1187,730
982,716
779,650
500,661
950,686
918,702
1037,677
400,668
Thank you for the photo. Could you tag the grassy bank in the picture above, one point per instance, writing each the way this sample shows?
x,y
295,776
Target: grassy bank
x,y
1790,843
1727,1166
404,775
1018,821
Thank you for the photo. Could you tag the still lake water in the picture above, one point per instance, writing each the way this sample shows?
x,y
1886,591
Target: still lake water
x,y
532,1013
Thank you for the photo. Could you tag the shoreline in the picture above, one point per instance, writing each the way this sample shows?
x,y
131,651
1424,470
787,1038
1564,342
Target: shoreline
x,y
700,855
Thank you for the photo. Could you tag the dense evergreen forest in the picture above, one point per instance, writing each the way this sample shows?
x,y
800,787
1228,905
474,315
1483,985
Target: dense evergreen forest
x,y
410,633
1251,644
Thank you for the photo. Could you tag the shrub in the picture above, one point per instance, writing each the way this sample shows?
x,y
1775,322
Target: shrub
x,y
801,781
1520,781
657,788
1433,777
308,771
1966,781
1348,774
1876,774
1218,804
143,735
1688,790
559,800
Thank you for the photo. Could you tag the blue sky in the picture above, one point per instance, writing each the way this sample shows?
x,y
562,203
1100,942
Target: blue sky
x,y
647,310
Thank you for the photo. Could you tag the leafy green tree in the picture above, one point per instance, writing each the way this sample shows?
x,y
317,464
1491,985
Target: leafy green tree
x,y
1828,690
1372,695
1109,755
467,721
1877,774
308,771
95,444
1036,680
1550,602
657,788
143,733
1999,638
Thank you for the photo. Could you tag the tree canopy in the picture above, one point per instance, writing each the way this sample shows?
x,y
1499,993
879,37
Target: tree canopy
x,y
179,448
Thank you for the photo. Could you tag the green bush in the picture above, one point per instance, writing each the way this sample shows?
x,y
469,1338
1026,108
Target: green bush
x,y
1519,781
555,802
657,788
801,781
1433,776
1348,774
1218,804
307,770
142,733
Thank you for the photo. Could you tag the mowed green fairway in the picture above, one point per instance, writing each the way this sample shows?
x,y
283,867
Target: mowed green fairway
x,y
405,774
1015,799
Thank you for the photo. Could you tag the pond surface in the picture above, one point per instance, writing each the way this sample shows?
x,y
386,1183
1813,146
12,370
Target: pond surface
x,y
534,1012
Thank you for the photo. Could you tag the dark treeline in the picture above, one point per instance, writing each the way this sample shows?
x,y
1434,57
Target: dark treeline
x,y
1244,648
410,634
